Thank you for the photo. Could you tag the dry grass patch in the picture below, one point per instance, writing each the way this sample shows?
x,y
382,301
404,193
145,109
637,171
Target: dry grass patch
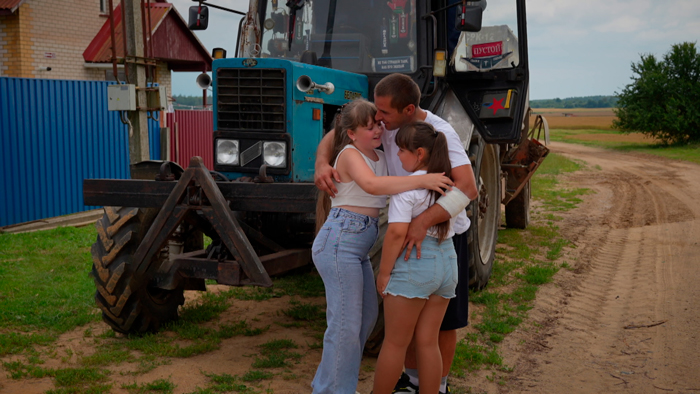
x,y
577,118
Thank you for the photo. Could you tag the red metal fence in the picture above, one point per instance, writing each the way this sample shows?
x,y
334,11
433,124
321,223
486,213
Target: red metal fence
x,y
191,134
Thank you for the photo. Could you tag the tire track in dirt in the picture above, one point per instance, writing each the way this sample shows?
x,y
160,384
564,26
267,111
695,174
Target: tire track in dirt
x,y
635,266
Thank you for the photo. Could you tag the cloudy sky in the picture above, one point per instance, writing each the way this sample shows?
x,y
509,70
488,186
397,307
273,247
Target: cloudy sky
x,y
576,47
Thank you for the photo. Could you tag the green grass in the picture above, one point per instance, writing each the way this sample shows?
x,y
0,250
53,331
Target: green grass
x,y
276,354
14,342
686,152
278,344
45,291
545,186
539,275
157,386
305,312
44,283
524,261
256,376
107,355
226,383
471,356
67,380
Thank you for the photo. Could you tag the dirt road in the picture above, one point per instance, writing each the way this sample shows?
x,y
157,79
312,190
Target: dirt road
x,y
627,318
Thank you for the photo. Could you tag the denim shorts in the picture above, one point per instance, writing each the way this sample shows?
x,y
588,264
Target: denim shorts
x,y
434,273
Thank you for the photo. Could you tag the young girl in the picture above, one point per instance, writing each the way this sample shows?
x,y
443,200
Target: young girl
x,y
340,250
416,292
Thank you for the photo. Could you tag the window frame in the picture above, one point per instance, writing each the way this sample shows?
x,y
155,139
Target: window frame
x,y
104,7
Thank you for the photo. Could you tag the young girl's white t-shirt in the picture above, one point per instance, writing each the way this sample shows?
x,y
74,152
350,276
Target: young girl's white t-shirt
x,y
458,156
407,205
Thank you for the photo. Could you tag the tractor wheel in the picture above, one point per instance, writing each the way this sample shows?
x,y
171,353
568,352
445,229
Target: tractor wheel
x,y
484,212
518,209
130,303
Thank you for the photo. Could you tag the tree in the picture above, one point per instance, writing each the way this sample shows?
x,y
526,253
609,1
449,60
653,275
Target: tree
x,y
662,101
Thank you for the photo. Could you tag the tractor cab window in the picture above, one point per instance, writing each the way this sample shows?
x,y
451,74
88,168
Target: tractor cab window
x,y
495,46
362,36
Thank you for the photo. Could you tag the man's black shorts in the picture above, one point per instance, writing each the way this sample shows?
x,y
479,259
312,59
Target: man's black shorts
x,y
457,314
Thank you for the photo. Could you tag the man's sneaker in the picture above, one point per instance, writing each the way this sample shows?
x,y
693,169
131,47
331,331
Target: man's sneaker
x,y
447,389
404,385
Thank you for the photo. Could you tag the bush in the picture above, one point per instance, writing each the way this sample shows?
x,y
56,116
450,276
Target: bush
x,y
662,101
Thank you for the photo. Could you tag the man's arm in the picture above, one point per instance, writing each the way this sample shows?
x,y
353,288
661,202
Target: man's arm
x,y
324,173
463,177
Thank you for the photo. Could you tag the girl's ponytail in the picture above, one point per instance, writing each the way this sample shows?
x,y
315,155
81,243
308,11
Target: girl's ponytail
x,y
439,161
422,135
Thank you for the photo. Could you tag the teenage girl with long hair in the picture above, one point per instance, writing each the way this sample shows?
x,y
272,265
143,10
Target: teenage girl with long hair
x,y
416,292
340,250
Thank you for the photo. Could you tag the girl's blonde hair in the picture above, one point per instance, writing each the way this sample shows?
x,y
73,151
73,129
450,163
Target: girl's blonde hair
x,y
416,135
351,115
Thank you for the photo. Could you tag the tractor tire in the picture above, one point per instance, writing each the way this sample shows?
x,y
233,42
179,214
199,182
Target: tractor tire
x,y
484,212
129,302
518,209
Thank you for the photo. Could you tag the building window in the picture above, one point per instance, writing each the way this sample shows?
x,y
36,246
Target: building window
x,y
104,6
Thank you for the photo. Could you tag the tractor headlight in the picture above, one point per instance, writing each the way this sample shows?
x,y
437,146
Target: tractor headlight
x,y
275,154
227,152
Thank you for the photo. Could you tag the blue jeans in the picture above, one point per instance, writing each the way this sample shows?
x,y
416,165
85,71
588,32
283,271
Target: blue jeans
x,y
340,253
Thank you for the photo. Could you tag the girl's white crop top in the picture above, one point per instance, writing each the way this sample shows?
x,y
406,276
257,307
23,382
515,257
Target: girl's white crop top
x,y
350,193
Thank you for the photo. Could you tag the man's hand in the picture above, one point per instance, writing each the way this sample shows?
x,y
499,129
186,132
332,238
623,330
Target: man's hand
x,y
323,178
324,173
414,237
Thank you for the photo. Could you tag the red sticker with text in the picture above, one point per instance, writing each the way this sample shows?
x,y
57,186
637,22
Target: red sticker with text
x,y
487,50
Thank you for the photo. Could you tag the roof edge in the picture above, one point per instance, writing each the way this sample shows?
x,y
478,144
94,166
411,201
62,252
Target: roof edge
x,y
12,9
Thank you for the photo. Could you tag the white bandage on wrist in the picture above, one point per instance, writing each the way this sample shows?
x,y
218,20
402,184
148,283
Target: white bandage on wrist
x,y
454,201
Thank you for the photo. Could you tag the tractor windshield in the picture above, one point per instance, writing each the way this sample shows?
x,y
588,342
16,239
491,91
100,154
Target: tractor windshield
x,y
362,36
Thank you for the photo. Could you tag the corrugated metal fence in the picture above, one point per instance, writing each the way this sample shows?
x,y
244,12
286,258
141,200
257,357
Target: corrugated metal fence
x,y
191,133
54,134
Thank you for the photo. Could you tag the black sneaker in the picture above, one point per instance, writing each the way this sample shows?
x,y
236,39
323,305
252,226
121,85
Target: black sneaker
x,y
447,389
404,385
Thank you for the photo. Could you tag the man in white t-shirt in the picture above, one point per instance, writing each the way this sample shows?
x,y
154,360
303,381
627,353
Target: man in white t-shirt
x,y
397,98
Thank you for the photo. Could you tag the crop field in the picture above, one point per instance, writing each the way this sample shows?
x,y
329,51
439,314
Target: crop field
x,y
576,118
593,127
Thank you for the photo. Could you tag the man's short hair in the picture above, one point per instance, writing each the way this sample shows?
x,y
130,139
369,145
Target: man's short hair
x,y
401,88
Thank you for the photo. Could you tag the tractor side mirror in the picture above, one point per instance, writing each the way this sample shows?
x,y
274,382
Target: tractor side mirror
x,y
469,15
198,17
469,18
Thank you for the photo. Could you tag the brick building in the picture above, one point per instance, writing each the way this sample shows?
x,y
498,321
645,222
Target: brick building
x,y
59,39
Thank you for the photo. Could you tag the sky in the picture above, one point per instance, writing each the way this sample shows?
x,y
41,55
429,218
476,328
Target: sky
x,y
576,47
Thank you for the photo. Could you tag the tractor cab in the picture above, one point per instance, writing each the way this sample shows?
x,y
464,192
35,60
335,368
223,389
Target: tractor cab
x,y
477,52
365,36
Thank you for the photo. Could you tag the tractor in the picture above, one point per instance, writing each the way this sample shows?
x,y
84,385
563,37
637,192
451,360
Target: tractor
x,y
295,64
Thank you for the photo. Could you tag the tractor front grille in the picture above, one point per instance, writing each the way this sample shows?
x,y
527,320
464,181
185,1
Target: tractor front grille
x,y
251,99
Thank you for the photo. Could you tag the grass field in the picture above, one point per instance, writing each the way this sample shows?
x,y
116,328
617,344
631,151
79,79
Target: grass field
x,y
577,118
593,127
